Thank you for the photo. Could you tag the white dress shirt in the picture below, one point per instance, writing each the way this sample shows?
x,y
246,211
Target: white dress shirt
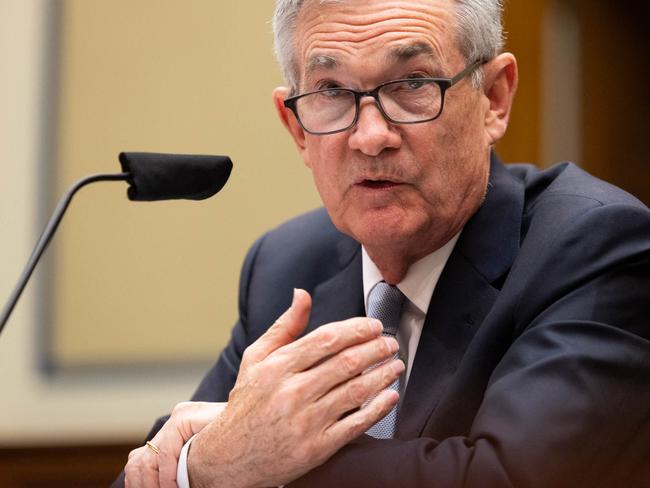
x,y
418,286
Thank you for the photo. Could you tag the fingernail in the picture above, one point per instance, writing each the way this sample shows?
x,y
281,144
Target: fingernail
x,y
391,396
375,325
392,344
397,367
295,294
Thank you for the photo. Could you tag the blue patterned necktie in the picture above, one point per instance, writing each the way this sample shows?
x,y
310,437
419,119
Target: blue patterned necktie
x,y
385,303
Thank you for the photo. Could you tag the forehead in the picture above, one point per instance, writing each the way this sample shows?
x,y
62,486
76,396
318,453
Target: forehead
x,y
357,32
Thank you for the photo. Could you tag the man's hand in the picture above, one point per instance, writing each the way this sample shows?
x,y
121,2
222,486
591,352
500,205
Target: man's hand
x,y
147,468
295,401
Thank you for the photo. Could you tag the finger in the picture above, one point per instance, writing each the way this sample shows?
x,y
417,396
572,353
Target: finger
x,y
286,329
132,469
168,466
150,478
352,426
354,393
142,469
169,441
329,340
135,452
351,362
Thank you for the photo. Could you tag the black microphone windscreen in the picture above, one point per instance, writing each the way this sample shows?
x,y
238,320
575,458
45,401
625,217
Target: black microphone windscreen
x,y
155,176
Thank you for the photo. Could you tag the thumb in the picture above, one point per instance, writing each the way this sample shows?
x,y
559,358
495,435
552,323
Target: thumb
x,y
286,329
293,322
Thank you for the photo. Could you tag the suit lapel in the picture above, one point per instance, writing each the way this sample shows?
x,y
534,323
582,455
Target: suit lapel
x,y
459,304
464,295
340,297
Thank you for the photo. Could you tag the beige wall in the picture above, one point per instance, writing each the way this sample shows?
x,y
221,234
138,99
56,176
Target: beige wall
x,y
156,282
131,281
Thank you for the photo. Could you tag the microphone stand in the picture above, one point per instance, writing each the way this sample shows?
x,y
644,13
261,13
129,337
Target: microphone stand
x,y
46,236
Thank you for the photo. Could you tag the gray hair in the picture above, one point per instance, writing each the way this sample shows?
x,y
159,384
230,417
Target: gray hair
x,y
480,33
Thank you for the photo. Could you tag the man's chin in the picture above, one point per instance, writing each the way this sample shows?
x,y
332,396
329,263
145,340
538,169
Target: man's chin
x,y
384,235
388,226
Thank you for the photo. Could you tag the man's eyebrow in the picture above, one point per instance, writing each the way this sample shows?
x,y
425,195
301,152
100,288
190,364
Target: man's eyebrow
x,y
320,61
409,51
400,53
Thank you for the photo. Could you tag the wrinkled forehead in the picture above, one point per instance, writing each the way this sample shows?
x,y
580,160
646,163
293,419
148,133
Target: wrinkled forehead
x,y
333,34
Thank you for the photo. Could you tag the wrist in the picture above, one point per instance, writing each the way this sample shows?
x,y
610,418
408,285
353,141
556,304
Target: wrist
x,y
206,468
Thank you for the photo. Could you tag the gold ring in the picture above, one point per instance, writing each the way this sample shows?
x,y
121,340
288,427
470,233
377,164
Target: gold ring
x,y
153,447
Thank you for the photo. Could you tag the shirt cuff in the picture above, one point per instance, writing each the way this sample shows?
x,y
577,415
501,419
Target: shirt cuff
x,y
182,476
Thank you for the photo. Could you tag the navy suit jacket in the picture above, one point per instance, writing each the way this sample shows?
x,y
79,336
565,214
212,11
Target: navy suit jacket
x,y
533,367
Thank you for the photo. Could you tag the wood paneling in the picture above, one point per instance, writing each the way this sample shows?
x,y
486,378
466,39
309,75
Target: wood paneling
x,y
524,28
616,75
82,466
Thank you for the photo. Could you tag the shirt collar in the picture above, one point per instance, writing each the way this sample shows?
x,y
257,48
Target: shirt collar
x,y
420,279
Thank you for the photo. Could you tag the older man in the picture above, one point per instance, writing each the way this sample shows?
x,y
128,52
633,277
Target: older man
x,y
519,298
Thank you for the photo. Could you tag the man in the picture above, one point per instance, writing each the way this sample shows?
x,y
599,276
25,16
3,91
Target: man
x,y
523,334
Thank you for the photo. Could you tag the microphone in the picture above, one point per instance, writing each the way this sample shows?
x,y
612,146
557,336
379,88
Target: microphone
x,y
155,176
151,176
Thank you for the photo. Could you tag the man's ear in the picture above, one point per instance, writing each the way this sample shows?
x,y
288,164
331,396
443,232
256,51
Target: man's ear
x,y
288,118
499,84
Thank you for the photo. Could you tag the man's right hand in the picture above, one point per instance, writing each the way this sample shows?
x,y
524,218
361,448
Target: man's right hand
x,y
295,401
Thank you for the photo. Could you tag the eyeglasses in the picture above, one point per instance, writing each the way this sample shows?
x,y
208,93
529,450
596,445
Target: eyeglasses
x,y
407,101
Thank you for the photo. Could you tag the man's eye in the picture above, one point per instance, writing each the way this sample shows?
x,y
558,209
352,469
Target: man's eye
x,y
332,92
415,84
327,84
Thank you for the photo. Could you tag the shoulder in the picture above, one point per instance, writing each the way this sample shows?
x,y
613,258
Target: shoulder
x,y
313,227
300,253
310,237
567,184
565,200
580,237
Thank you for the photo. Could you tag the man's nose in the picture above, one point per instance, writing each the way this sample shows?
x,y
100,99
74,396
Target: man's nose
x,y
372,132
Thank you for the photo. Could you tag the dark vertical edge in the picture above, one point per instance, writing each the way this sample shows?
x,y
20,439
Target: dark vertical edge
x,y
47,170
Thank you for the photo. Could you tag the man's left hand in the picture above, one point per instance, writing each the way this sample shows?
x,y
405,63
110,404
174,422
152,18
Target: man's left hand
x,y
146,468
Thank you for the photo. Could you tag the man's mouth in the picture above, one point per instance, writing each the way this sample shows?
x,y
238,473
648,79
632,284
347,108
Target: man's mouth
x,y
377,184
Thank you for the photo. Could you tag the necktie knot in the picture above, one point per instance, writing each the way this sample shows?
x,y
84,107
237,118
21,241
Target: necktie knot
x,y
385,303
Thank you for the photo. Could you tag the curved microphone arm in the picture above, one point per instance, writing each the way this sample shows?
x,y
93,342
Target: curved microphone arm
x,y
151,176
47,234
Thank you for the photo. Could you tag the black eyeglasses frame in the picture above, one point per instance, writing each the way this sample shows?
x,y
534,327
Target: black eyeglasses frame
x,y
444,84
